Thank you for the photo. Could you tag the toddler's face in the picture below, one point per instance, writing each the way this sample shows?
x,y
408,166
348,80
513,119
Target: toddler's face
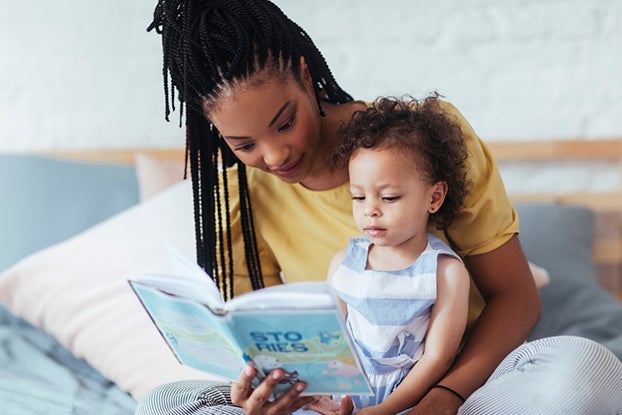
x,y
390,199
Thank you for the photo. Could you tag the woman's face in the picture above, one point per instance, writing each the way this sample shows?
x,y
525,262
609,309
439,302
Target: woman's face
x,y
272,125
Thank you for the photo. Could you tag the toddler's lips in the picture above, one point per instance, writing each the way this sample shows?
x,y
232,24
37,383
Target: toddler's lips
x,y
374,231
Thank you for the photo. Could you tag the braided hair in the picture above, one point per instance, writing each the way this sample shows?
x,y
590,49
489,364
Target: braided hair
x,y
207,47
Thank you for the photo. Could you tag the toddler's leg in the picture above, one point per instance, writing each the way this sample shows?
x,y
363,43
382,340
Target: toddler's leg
x,y
557,375
192,397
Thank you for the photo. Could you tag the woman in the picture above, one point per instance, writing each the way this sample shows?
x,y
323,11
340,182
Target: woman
x,y
259,98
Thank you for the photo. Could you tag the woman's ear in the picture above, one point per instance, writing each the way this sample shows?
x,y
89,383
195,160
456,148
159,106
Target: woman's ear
x,y
438,191
307,80
305,74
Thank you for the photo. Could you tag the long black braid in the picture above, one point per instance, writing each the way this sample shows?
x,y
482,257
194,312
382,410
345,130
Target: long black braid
x,y
207,46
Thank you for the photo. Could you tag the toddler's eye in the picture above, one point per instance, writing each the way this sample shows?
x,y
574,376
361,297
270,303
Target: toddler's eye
x,y
390,198
358,198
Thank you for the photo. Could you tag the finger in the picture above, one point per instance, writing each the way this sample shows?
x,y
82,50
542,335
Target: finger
x,y
259,402
241,389
347,406
325,405
290,400
301,402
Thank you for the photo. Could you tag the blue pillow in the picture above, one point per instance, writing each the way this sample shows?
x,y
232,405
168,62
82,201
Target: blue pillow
x,y
559,238
44,200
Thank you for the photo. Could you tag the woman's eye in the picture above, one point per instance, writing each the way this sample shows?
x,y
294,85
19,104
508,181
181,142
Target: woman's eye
x,y
244,147
287,124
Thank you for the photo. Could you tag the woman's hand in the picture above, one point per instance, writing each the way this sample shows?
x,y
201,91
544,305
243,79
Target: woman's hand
x,y
257,401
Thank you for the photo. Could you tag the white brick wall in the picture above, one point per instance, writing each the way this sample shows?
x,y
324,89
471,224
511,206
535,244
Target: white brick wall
x,y
80,74
85,74
516,68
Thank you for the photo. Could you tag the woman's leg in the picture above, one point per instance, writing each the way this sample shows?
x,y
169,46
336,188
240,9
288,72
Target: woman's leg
x,y
190,397
557,375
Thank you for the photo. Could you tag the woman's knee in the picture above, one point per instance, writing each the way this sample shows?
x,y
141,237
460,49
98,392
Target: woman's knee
x,y
556,375
580,353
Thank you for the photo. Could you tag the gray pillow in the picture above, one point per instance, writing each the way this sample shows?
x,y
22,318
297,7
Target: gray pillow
x,y
44,201
559,238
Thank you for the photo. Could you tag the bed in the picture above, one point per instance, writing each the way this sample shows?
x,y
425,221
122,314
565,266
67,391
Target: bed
x,y
75,341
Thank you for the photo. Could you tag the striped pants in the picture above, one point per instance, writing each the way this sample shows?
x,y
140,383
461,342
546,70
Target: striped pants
x,y
562,375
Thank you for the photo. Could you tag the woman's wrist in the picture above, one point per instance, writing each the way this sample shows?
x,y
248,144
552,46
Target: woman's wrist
x,y
450,391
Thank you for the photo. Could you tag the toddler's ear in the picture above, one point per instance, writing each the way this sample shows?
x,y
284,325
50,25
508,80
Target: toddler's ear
x,y
438,192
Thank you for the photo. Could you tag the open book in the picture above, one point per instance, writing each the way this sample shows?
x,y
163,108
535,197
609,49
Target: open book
x,y
297,327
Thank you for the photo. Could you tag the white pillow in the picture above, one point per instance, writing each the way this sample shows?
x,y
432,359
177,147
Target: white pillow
x,y
77,291
540,275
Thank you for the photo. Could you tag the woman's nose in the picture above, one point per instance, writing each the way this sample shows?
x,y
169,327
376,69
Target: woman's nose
x,y
276,155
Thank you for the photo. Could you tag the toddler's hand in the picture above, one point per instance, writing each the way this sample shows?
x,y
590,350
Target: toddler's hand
x,y
327,406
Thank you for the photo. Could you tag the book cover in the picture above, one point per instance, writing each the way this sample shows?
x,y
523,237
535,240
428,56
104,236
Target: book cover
x,y
297,327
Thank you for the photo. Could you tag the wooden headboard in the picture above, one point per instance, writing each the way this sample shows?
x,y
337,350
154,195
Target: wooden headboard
x,y
120,156
607,205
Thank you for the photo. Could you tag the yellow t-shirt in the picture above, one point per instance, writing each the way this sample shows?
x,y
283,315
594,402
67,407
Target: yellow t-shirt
x,y
299,230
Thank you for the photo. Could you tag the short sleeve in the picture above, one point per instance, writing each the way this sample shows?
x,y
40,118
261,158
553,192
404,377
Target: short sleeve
x,y
488,219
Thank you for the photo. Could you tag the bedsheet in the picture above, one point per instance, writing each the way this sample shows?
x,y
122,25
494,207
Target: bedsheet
x,y
39,376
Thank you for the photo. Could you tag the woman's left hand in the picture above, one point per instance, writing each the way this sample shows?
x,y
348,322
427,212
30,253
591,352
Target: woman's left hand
x,y
256,401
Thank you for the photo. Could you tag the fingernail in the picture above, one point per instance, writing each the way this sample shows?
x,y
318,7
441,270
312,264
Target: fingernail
x,y
275,374
300,387
248,371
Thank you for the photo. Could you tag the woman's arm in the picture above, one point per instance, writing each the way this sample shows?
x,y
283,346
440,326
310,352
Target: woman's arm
x,y
512,310
447,324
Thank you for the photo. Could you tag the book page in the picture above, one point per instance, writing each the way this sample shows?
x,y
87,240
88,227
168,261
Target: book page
x,y
182,266
299,295
189,288
198,285
192,332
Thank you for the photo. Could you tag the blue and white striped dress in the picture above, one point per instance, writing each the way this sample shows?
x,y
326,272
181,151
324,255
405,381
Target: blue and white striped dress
x,y
388,312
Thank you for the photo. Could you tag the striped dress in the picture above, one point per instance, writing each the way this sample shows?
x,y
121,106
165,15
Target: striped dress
x,y
388,312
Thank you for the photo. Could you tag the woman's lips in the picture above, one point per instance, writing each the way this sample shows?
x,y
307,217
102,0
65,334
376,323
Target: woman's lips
x,y
289,169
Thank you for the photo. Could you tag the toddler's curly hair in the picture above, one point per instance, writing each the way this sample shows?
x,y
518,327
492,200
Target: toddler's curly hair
x,y
422,128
